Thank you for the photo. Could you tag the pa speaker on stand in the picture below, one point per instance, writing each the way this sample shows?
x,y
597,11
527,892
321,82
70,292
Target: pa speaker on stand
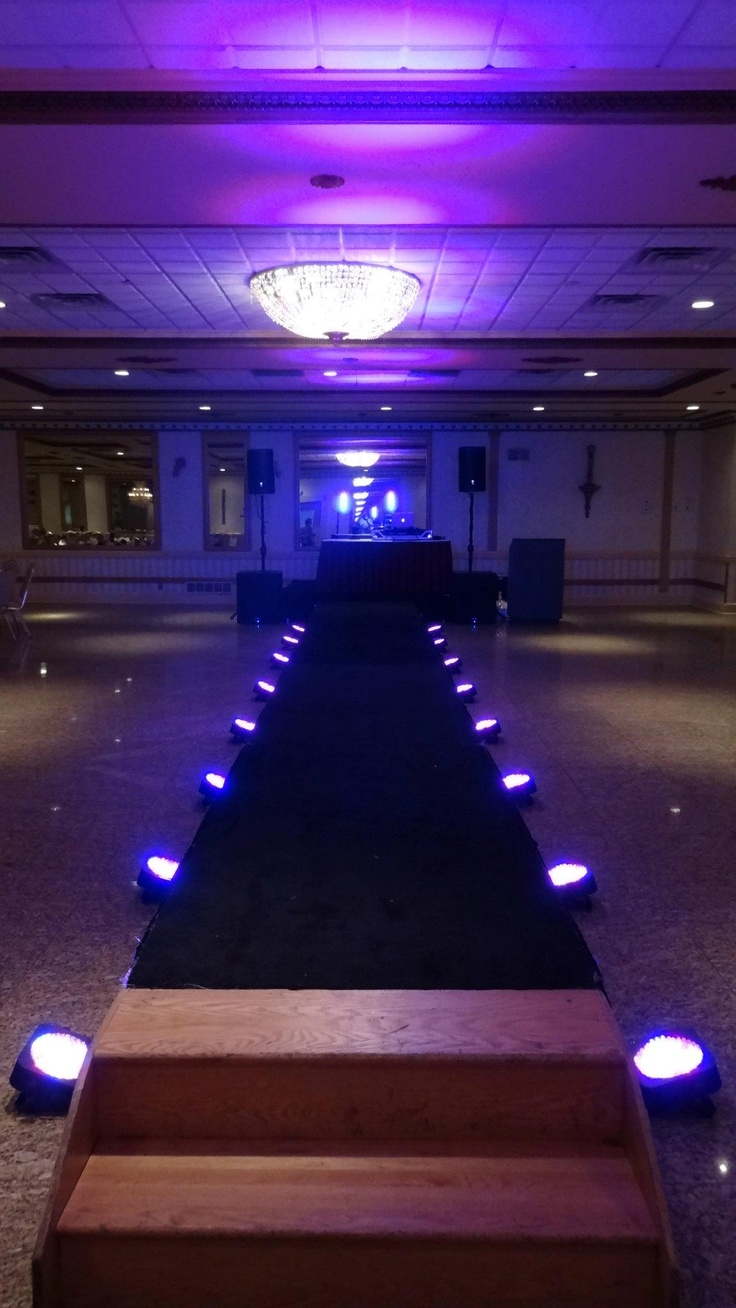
x,y
259,594
471,460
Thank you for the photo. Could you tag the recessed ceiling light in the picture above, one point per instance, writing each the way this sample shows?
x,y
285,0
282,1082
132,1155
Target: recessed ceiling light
x,y
702,304
36,406
79,468
538,408
223,469
386,408
693,407
122,372
590,373
331,372
205,408
2,304
120,454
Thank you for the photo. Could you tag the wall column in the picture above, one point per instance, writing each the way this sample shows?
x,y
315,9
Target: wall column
x,y
11,533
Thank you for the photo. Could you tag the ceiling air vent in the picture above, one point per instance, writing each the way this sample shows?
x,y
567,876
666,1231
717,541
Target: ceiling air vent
x,y
554,358
146,358
679,258
21,258
277,372
72,300
614,302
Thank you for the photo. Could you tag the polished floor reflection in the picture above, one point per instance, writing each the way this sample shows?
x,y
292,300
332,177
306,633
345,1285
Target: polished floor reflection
x,y
626,719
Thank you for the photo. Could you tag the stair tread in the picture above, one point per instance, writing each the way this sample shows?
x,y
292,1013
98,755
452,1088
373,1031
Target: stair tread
x,y
509,1196
556,1025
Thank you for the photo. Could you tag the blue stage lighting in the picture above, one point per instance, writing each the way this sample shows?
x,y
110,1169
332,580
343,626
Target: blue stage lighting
x,y
454,663
676,1071
212,785
466,691
264,690
488,730
47,1068
574,883
156,876
242,728
521,785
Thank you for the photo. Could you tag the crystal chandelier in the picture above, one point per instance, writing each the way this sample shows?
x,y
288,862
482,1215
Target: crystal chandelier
x,y
357,458
335,301
140,493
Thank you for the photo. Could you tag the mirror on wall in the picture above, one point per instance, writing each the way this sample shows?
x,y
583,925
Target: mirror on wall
x,y
224,461
361,486
90,492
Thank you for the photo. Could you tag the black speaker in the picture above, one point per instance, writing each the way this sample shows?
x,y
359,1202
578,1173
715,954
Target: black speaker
x,y
261,478
260,596
471,467
536,579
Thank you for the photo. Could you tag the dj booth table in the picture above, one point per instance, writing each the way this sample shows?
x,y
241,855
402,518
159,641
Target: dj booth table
x,y
384,569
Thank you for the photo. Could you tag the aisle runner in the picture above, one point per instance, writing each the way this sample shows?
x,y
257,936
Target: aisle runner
x,y
365,841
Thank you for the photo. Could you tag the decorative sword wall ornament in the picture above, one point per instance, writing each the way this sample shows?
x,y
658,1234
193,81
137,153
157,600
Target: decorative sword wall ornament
x,y
589,487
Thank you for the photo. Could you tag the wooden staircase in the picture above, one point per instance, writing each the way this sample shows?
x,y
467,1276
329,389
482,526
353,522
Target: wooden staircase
x,y
356,1149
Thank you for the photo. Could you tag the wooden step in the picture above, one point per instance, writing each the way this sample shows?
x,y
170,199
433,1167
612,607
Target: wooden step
x,y
361,1064
369,1228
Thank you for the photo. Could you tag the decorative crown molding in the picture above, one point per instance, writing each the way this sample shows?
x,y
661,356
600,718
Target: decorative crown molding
x,y
376,103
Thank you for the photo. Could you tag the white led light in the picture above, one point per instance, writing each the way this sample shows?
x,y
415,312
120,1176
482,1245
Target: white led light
x,y
122,372
336,300
590,373
538,408
357,458
702,304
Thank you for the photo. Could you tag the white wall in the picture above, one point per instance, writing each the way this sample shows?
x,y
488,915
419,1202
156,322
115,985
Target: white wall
x,y
95,495
10,520
181,490
717,507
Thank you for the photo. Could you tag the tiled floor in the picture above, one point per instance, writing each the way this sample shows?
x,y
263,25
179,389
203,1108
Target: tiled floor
x,y
627,719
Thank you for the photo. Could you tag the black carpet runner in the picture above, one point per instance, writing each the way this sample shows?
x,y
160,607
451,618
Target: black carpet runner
x,y
365,841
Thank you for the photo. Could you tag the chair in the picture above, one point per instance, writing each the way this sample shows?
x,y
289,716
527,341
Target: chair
x,y
12,604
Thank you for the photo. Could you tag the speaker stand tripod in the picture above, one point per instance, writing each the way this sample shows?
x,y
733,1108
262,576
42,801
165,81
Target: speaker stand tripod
x,y
471,523
263,534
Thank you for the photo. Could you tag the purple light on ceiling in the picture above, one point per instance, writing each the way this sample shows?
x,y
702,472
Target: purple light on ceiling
x,y
58,1055
666,1056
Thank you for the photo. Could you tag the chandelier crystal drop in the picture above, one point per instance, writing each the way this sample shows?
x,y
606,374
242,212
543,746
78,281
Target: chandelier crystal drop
x,y
336,301
140,493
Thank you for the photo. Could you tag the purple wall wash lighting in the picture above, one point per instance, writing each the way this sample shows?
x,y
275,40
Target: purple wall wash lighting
x,y
466,691
676,1071
47,1068
212,785
488,729
242,728
521,785
574,883
264,690
156,876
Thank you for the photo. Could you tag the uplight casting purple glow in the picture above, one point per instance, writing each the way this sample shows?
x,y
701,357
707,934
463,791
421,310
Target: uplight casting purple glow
x,y
515,780
664,1057
263,689
440,642
214,779
295,627
278,657
240,728
59,1055
488,729
289,640
568,874
466,690
164,869
436,626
